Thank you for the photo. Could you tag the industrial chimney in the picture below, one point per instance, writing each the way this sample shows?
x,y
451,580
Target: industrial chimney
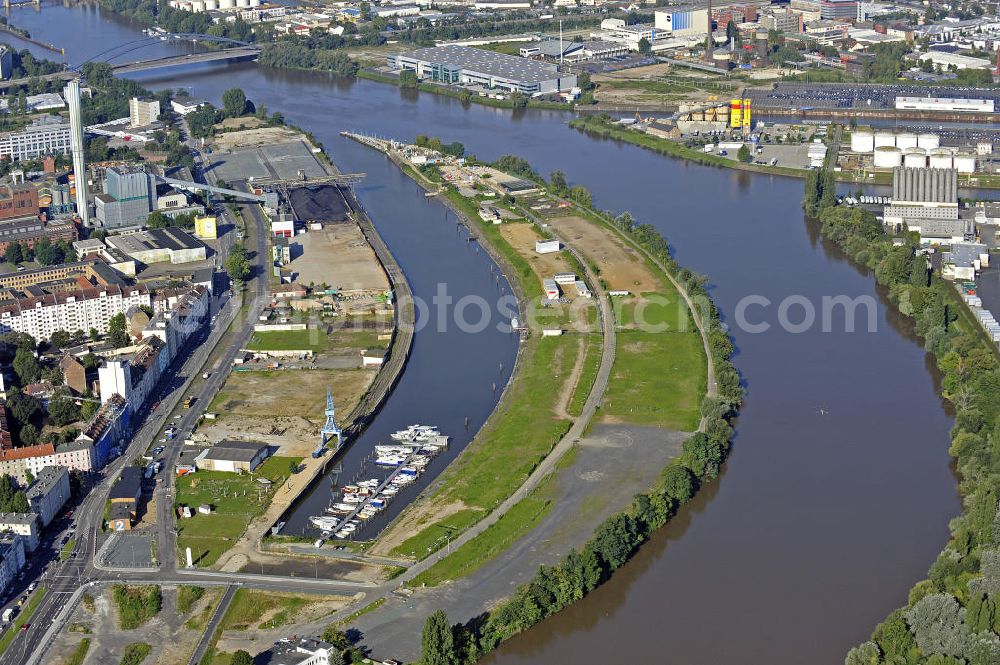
x,y
72,94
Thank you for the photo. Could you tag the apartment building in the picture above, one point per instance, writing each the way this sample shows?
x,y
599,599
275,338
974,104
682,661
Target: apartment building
x,y
42,314
45,136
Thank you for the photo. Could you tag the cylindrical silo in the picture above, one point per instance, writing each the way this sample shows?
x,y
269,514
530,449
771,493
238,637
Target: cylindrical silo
x,y
227,4
928,141
905,140
211,5
243,3
887,156
940,158
883,139
198,6
964,162
862,140
915,158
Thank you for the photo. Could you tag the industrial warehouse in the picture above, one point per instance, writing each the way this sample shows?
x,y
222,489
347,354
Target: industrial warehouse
x,y
471,66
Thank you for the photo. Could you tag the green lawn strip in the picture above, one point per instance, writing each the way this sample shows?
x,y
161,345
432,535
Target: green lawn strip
x,y
235,499
248,608
79,653
518,437
370,607
135,653
67,549
519,520
658,379
136,604
22,618
187,596
662,311
289,340
591,364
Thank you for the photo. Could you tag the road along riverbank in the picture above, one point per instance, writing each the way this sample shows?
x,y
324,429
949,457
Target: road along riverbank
x,y
543,510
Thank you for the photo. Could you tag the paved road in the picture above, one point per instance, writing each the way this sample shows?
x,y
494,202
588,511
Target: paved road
x,y
206,637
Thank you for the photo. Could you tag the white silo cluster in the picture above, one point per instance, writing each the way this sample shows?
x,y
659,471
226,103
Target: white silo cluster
x,y
892,149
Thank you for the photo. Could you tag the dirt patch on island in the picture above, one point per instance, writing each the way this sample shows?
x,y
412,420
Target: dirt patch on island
x,y
621,266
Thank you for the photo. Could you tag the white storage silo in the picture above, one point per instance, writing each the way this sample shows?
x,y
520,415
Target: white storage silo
x,y
906,140
243,3
227,4
211,5
940,158
883,139
915,158
862,140
254,3
928,141
887,156
964,162
198,6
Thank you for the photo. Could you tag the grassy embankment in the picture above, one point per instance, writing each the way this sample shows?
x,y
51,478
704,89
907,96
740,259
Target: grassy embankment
x,y
235,499
601,128
658,380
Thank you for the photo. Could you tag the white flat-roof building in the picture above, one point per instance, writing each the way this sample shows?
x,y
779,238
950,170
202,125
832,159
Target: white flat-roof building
x,y
946,104
946,59
45,136
470,66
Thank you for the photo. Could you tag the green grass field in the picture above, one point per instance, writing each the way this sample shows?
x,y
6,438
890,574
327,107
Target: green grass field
x,y
518,437
663,311
187,596
519,520
591,363
236,500
67,549
658,379
249,607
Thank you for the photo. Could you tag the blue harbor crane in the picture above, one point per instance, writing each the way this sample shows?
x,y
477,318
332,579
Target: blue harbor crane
x,y
330,429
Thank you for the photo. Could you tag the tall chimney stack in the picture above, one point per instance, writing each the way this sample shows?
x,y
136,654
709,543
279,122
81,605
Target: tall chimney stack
x,y
72,94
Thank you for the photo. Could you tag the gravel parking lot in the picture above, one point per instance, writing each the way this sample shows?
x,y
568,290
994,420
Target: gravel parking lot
x,y
854,96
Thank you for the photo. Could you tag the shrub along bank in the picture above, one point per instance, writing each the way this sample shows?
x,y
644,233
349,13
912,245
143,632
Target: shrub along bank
x,y
952,617
618,537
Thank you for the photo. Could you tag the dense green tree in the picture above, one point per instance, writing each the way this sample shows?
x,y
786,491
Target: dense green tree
x,y
937,625
157,220
15,253
238,265
241,657
703,455
23,407
234,102
26,366
408,79
63,410
437,642
118,331
744,154
615,540
679,483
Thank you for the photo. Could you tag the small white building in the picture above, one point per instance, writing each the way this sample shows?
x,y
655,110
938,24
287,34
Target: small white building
x,y
551,288
564,278
186,105
22,524
547,246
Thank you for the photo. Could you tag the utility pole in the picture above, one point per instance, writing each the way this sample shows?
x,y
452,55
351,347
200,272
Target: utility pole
x,y
560,42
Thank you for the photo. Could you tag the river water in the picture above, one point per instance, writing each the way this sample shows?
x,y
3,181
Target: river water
x,y
838,492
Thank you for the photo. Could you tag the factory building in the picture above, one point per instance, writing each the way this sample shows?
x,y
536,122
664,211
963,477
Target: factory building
x,y
682,21
945,104
784,20
470,66
615,30
160,245
45,136
925,200
29,230
947,59
18,201
233,456
127,200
